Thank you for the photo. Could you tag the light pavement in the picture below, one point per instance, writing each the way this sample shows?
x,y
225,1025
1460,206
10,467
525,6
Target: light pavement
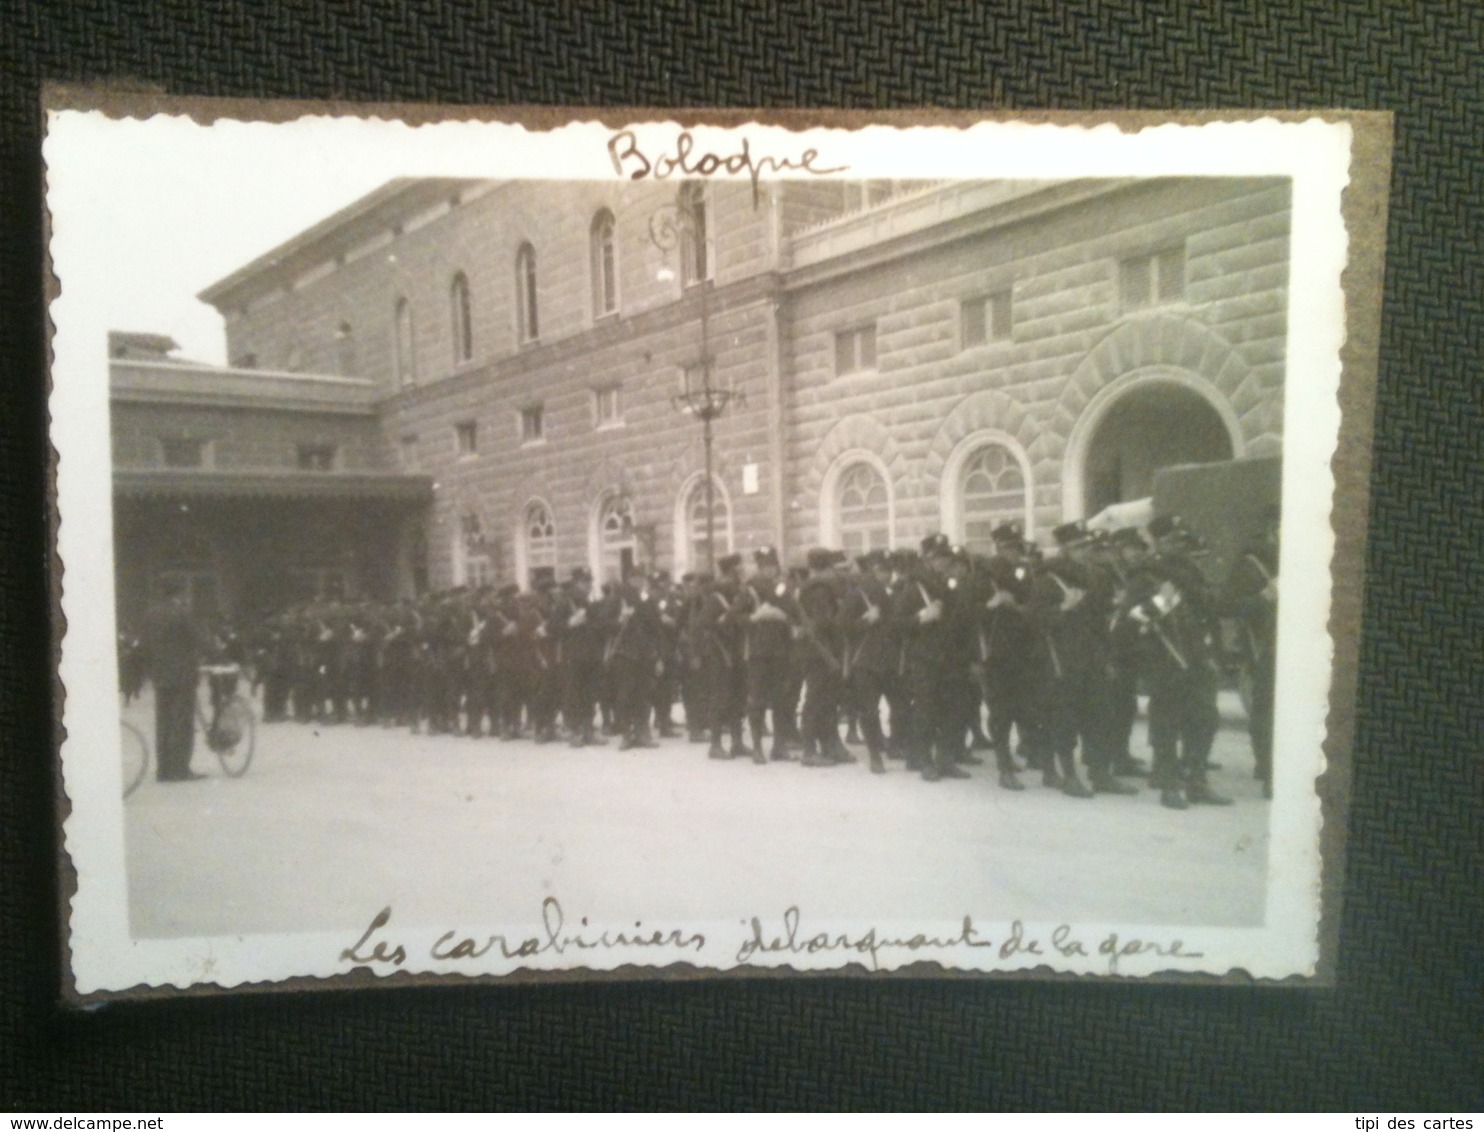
x,y
333,823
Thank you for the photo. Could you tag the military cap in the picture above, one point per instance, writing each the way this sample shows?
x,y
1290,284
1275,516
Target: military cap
x,y
902,559
936,546
729,562
765,556
1069,534
1008,532
820,558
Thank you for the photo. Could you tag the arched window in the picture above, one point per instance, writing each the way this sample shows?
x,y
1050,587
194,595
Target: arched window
x,y
605,265
992,487
615,537
863,506
345,351
404,356
540,537
695,250
527,324
459,324
692,548
473,552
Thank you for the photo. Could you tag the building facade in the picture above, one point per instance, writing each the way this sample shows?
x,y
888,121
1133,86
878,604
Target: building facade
x,y
515,366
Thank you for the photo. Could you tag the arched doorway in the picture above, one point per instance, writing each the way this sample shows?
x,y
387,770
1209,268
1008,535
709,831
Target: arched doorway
x,y
1150,426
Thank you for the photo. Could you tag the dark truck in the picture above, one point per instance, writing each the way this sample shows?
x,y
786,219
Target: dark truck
x,y
1227,504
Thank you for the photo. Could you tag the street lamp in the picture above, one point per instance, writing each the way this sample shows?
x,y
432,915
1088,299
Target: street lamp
x,y
670,227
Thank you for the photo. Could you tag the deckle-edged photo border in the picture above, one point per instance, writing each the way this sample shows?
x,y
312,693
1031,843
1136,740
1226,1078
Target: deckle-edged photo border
x,y
1339,165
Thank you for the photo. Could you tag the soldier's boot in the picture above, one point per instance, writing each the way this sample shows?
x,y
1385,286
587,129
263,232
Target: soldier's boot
x,y
739,747
1165,774
949,768
717,751
643,738
1127,766
834,750
1005,764
965,756
1104,781
1165,777
1197,792
1071,782
853,732
755,728
1049,776
779,752
878,766
591,738
812,755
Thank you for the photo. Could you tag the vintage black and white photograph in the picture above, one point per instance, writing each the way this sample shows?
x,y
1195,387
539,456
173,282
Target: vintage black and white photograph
x,y
489,549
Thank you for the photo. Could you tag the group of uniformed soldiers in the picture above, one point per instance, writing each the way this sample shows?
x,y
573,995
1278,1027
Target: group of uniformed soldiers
x,y
771,666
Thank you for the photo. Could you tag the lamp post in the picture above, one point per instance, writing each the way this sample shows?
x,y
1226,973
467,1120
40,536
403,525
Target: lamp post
x,y
670,227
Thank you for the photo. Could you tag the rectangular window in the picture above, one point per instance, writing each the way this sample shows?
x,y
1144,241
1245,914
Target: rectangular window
x,y
1152,280
408,453
986,319
855,350
317,457
606,407
183,452
532,424
466,435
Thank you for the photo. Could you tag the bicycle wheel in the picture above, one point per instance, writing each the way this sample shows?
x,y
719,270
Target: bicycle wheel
x,y
233,737
136,756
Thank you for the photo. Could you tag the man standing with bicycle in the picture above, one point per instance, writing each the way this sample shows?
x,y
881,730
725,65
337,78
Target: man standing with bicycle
x,y
171,644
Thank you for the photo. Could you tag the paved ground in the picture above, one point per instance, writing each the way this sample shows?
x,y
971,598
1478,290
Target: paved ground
x,y
331,824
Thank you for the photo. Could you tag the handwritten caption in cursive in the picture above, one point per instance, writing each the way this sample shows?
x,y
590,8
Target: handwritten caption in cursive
x,y
631,161
788,937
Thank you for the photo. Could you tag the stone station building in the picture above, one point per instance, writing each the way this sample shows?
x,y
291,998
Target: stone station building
x,y
451,382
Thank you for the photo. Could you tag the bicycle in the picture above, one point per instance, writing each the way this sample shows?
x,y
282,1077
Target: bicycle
x,y
225,719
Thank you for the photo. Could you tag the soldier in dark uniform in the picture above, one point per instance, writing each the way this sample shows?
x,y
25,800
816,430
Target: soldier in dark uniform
x,y
364,629
450,646
543,686
821,656
688,656
1250,595
964,695
1076,608
1012,670
919,614
509,665
633,657
1171,617
395,673
1125,555
718,637
771,613
582,632
479,665
171,645
667,674
872,649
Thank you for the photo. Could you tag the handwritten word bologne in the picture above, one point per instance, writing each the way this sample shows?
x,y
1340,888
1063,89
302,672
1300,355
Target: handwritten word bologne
x,y
632,162
787,938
